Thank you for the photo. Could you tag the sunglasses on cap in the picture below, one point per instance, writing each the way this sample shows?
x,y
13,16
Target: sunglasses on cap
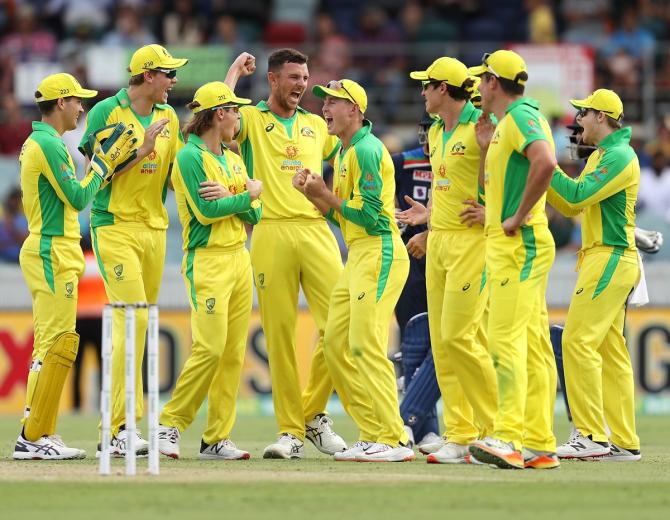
x,y
337,85
169,73
485,62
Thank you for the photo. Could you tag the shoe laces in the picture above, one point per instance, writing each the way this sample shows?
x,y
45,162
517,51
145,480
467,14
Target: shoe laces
x,y
227,443
172,435
575,435
56,439
325,425
287,437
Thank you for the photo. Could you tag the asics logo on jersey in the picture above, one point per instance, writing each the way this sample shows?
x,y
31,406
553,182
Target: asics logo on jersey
x,y
269,127
580,290
504,282
466,287
361,296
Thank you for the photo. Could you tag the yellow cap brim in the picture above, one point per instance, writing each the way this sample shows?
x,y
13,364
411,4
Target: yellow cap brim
x,y
478,70
421,75
231,101
85,93
580,103
177,63
322,92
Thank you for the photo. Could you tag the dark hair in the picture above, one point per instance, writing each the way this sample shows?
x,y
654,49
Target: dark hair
x,y
200,122
461,93
45,107
512,87
281,56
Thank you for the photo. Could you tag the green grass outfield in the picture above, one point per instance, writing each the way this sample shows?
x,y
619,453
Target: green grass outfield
x,y
319,488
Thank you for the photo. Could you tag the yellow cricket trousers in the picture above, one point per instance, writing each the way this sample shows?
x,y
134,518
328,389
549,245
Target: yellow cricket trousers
x,y
51,267
518,333
287,255
356,339
457,298
218,283
131,257
598,371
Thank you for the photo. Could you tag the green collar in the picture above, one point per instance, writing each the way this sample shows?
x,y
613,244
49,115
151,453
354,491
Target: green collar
x,y
361,132
197,141
41,126
124,101
264,107
468,113
523,101
622,135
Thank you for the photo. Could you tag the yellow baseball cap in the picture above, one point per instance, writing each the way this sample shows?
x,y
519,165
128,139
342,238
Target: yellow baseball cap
x,y
502,64
216,94
602,100
62,85
152,57
449,70
344,89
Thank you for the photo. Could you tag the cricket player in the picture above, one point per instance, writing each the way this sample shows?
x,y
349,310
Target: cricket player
x,y
128,219
291,247
598,371
217,273
455,280
51,258
362,302
518,167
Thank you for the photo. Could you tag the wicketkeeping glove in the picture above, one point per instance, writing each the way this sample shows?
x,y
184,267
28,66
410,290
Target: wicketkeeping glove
x,y
648,241
113,147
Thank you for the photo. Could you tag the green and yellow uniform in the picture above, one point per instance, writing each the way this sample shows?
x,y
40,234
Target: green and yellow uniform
x,y
291,247
455,285
363,300
517,269
218,278
598,371
51,258
128,223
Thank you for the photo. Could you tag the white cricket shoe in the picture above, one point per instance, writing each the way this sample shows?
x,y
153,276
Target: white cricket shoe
x,y
223,450
379,452
449,453
619,454
47,447
319,431
168,441
430,443
286,447
581,447
350,454
117,447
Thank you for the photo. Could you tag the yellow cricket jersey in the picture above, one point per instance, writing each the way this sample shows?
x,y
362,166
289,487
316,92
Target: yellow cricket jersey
x,y
274,148
52,195
606,191
506,167
216,223
139,193
365,178
454,159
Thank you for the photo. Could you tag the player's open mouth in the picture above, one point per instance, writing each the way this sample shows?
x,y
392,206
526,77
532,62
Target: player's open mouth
x,y
295,96
329,120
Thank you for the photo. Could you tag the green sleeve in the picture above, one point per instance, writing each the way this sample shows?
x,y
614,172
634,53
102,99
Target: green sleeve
x,y
96,119
366,205
608,177
192,173
63,179
332,217
253,215
530,128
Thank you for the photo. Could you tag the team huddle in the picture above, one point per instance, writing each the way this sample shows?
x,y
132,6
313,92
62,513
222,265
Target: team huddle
x,y
488,255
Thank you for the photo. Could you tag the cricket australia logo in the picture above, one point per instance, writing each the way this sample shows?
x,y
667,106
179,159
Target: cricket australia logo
x,y
261,281
458,149
236,169
118,271
210,303
307,131
69,289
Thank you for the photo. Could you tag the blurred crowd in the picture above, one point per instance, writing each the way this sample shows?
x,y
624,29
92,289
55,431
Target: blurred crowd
x,y
376,42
